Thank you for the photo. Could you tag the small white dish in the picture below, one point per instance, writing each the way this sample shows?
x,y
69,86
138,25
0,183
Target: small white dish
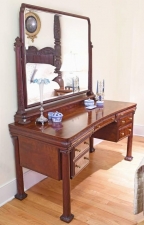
x,y
91,107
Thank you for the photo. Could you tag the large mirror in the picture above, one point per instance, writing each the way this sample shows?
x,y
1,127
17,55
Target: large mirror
x,y
60,51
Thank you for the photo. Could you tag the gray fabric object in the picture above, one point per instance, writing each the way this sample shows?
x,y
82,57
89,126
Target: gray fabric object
x,y
139,189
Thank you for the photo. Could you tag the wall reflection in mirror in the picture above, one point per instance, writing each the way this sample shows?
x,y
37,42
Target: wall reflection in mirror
x,y
73,58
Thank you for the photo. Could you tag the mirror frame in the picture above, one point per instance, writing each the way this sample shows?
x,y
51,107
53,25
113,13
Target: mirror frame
x,y
21,58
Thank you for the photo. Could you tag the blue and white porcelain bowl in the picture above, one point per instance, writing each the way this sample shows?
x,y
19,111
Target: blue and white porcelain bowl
x,y
100,104
88,102
57,117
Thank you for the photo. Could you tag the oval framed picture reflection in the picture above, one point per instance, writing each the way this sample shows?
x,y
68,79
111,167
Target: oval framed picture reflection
x,y
32,25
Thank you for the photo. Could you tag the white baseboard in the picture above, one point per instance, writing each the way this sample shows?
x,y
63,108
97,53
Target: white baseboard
x,y
138,130
97,141
8,190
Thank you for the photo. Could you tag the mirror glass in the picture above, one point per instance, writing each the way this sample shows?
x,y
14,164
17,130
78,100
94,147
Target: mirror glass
x,y
74,68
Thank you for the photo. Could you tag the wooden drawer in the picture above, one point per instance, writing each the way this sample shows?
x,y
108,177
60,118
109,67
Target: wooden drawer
x,y
125,131
79,157
113,132
126,112
125,120
81,163
118,129
79,149
104,123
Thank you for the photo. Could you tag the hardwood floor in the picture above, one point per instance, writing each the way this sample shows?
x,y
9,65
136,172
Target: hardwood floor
x,y
101,195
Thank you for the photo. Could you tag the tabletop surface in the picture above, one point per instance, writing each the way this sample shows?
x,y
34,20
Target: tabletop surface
x,y
77,120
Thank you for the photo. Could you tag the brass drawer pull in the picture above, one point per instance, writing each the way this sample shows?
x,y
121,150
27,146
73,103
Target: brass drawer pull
x,y
130,118
77,150
77,166
85,142
122,134
129,130
123,121
86,158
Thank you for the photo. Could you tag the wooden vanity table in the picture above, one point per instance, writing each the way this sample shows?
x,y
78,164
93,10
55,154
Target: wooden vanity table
x,y
62,153
61,150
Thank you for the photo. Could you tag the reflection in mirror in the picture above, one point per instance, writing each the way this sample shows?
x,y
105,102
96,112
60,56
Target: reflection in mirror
x,y
59,38
74,39
32,25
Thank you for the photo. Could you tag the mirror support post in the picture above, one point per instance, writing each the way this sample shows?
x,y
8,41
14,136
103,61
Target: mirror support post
x,y
90,60
20,115
18,45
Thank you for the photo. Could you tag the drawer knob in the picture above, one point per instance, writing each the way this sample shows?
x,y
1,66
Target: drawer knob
x,y
123,121
129,130
77,166
86,158
122,134
77,150
85,142
130,118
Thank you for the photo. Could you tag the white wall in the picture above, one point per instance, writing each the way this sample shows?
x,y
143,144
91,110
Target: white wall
x,y
118,40
137,63
105,41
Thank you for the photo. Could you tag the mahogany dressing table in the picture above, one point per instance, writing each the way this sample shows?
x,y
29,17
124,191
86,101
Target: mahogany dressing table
x,y
62,151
